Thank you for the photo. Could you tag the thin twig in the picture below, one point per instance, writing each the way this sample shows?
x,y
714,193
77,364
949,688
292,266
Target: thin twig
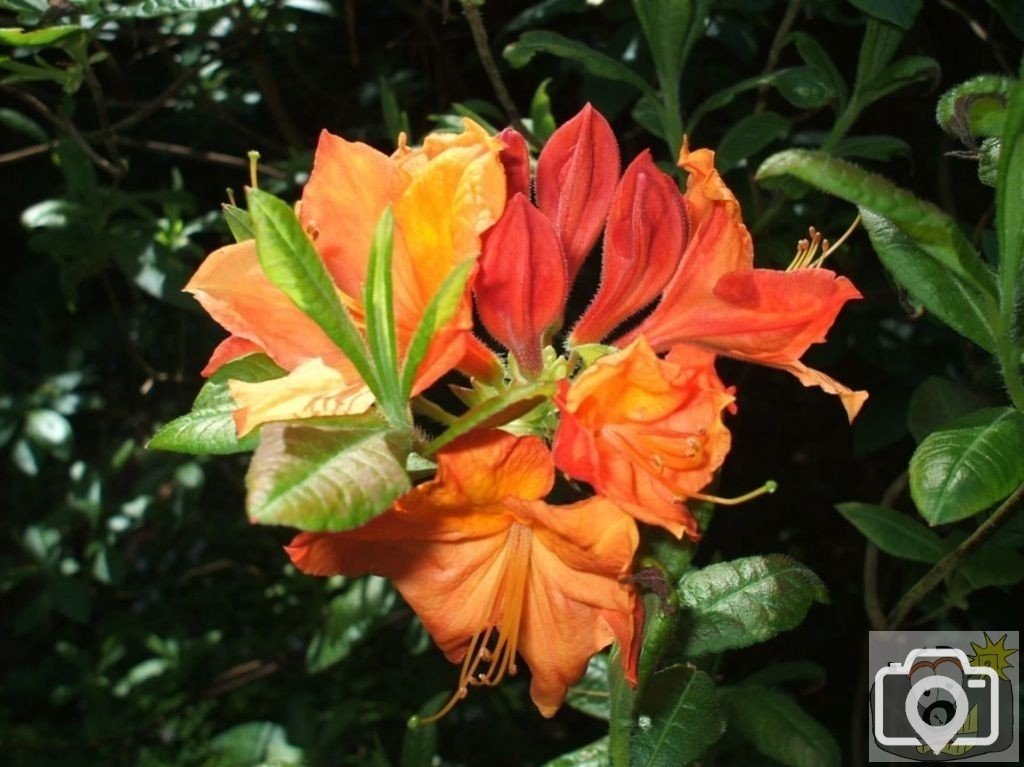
x,y
26,152
945,566
778,43
215,158
483,49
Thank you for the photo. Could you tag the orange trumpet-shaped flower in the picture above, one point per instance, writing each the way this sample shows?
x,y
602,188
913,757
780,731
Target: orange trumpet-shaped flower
x,y
493,571
718,301
444,195
646,433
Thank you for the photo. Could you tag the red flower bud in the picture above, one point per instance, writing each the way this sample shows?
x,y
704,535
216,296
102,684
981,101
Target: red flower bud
x,y
643,243
576,176
522,285
515,156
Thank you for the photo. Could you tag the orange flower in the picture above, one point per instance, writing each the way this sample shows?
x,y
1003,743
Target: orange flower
x,y
444,195
646,433
718,301
493,571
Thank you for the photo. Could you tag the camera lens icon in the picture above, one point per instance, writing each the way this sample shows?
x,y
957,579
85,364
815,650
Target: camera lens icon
x,y
928,689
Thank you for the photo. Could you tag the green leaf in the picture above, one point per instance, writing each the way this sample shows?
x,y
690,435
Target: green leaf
x,y
1009,197
209,427
726,96
593,755
920,245
881,148
16,122
292,264
671,27
778,728
968,466
745,601
498,410
239,222
256,744
540,113
785,672
880,43
975,107
590,695
1012,14
148,9
37,38
748,136
815,55
351,618
522,51
993,565
440,310
894,533
679,718
899,12
936,402
897,75
622,699
805,87
378,298
323,478
419,744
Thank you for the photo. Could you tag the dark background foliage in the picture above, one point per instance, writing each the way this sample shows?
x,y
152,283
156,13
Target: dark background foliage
x,y
145,622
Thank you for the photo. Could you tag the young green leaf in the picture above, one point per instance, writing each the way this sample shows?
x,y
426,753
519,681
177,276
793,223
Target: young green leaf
x,y
971,464
37,38
679,718
292,264
896,534
239,222
209,427
777,727
540,112
440,310
326,479
671,28
378,298
745,601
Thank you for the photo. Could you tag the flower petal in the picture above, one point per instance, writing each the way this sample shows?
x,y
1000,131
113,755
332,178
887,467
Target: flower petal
x,y
515,157
231,348
576,176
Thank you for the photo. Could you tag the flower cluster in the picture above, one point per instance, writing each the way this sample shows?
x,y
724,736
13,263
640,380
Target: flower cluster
x,y
634,408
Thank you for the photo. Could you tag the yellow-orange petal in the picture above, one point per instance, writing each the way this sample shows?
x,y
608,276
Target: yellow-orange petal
x,y
232,287
231,348
312,390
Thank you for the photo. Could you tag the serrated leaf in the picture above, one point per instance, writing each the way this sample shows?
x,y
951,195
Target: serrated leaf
x,y
968,466
324,478
239,222
936,402
209,427
678,719
293,265
779,728
529,44
894,533
440,310
493,412
351,617
747,136
745,601
592,755
590,695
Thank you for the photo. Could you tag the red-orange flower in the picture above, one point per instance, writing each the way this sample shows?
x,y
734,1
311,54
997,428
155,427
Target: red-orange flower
x,y
718,301
493,571
444,195
646,433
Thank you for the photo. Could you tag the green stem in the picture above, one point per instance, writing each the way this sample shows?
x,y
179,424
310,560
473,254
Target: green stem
x,y
945,566
433,411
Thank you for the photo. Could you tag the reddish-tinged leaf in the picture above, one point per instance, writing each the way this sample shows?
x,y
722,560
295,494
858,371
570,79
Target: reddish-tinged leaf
x,y
643,243
576,177
522,284
515,157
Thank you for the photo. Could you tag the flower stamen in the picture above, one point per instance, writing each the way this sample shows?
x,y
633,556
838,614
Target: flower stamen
x,y
767,488
807,249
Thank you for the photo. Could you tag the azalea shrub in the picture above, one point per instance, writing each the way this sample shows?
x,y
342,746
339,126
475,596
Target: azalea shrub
x,y
519,431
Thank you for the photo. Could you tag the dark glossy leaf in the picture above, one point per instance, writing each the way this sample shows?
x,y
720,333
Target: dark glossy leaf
x,y
880,148
593,755
787,672
522,51
326,478
209,428
351,618
899,74
590,695
968,466
899,12
679,717
778,728
671,27
156,8
896,534
936,402
993,565
814,54
748,136
745,601
805,87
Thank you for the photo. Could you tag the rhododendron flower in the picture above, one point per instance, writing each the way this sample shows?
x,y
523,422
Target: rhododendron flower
x,y
646,433
443,195
495,572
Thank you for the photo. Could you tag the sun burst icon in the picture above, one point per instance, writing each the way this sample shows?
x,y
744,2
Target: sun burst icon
x,y
993,655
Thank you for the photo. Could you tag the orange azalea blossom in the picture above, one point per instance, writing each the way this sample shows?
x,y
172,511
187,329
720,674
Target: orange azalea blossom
x,y
443,195
495,572
646,433
718,301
